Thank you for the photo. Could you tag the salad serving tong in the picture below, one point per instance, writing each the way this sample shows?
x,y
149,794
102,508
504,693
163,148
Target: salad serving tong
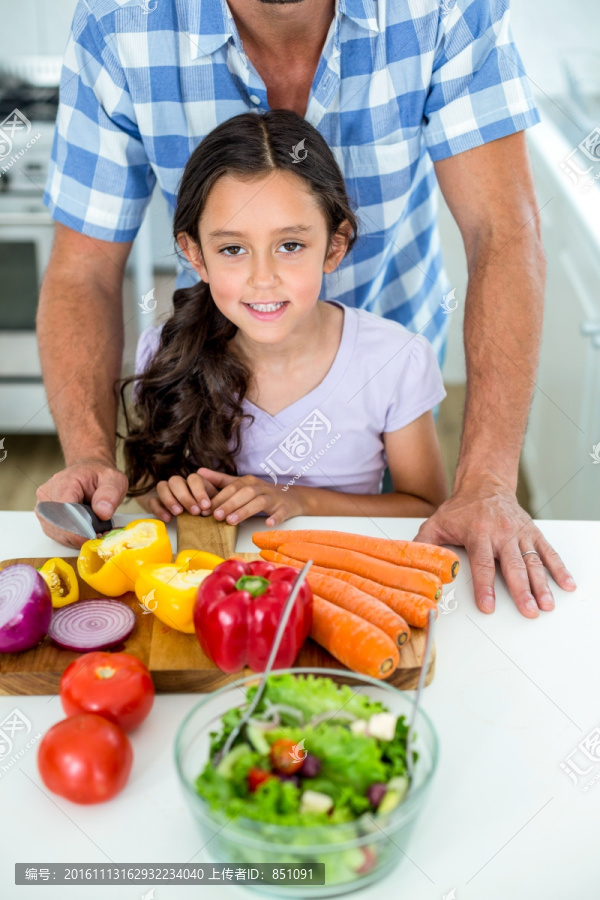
x,y
422,676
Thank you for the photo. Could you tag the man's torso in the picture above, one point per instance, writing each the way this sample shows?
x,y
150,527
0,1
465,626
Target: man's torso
x,y
395,86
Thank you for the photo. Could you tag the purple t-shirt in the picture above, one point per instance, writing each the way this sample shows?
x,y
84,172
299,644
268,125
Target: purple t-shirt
x,y
382,378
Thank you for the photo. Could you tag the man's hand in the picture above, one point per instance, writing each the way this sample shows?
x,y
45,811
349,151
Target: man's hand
x,y
95,481
484,517
243,496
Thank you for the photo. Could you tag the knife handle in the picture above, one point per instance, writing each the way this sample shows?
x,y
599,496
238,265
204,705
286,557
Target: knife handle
x,y
100,526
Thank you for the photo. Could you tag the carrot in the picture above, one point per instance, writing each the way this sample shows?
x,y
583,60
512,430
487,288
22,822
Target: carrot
x,y
438,560
353,641
361,604
390,574
412,607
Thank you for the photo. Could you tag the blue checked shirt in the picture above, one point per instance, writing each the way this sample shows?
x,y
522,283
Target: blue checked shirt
x,y
398,86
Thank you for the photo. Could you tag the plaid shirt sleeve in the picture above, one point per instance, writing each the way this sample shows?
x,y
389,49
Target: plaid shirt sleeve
x,y
479,90
100,180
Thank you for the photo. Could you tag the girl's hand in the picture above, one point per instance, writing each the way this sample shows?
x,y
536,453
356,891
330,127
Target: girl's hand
x,y
243,496
178,493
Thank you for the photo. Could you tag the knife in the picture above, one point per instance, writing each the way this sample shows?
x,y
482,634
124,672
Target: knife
x,y
78,518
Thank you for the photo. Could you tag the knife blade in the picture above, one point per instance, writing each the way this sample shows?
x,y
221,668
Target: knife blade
x,y
78,518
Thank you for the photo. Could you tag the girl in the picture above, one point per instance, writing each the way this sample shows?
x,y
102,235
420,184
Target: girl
x,y
255,396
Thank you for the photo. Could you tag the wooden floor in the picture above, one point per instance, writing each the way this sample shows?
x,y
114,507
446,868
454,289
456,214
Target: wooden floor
x,y
32,459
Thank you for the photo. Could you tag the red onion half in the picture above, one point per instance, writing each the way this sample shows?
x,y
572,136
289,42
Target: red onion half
x,y
25,608
91,625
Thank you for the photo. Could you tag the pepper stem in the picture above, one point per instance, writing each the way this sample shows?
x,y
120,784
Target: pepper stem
x,y
113,532
254,584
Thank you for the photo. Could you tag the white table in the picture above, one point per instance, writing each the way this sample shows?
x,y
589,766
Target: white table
x,y
511,699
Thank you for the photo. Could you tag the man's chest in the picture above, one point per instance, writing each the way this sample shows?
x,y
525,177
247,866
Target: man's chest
x,y
335,95
288,87
292,96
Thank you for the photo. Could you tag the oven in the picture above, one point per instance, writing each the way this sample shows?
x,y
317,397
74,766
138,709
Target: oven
x,y
28,105
26,230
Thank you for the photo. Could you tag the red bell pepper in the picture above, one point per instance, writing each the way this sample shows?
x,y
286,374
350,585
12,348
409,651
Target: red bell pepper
x,y
237,611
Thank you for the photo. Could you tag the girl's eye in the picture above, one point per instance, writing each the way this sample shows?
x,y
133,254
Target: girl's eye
x,y
225,250
231,247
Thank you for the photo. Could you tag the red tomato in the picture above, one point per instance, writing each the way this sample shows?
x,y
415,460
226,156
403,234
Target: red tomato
x,y
117,686
256,777
284,757
85,758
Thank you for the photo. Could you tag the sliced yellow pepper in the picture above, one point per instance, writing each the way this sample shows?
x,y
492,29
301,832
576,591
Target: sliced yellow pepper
x,y
169,591
198,559
62,581
111,564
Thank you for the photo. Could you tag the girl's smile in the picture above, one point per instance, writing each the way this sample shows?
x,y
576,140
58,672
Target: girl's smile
x,y
267,312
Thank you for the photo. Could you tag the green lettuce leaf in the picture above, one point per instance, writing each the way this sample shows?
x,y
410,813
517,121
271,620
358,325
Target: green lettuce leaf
x,y
393,753
313,694
228,722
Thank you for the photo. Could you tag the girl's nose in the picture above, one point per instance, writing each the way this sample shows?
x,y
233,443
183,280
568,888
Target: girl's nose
x,y
263,271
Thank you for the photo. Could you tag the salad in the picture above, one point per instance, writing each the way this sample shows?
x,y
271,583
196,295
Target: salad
x,y
314,753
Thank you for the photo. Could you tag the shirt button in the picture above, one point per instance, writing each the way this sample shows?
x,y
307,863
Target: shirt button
x,y
254,98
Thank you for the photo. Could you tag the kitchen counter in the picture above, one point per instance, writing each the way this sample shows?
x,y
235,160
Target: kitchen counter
x,y
511,699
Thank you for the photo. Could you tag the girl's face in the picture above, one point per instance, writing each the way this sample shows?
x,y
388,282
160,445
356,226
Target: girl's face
x,y
265,248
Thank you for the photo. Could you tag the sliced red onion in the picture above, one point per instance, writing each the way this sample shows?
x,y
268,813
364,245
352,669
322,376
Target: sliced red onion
x,y
332,714
25,608
91,625
264,726
283,707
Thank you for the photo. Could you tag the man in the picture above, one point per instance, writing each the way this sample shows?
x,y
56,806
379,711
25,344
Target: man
x,y
398,90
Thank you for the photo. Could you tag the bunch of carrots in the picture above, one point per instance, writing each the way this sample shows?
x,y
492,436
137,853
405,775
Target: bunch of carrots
x,y
367,591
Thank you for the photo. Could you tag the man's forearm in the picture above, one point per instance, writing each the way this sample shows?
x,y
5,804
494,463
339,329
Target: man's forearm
x,y
80,336
502,332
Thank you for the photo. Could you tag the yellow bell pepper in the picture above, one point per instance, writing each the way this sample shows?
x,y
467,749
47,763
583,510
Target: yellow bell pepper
x,y
198,559
169,591
62,581
111,564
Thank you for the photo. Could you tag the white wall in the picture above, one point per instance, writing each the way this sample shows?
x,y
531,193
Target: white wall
x,y
545,29
31,27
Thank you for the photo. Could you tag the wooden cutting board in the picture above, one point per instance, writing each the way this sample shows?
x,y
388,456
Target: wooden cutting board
x,y
175,660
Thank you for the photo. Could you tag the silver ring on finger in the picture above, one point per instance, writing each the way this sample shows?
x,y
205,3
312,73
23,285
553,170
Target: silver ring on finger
x,y
530,551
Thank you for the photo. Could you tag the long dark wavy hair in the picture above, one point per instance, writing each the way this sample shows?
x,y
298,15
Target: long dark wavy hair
x,y
188,411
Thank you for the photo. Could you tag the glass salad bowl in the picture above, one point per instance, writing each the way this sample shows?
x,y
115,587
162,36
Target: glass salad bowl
x,y
355,853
